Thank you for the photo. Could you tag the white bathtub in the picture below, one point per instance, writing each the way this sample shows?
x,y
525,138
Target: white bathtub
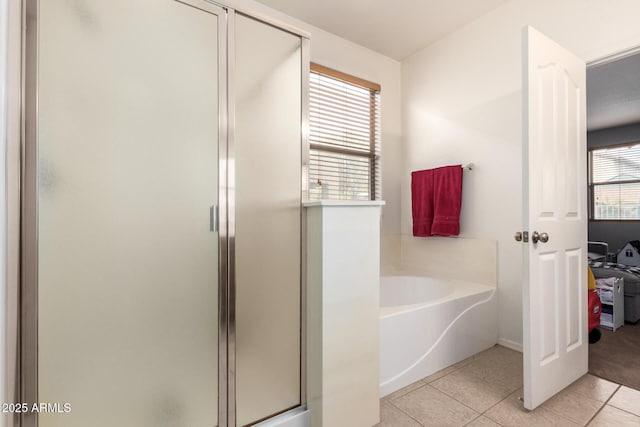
x,y
429,324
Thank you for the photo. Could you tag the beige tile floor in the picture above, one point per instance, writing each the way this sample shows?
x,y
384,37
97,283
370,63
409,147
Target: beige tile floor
x,y
485,390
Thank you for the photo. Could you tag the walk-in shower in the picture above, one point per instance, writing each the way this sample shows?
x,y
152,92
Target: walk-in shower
x,y
161,214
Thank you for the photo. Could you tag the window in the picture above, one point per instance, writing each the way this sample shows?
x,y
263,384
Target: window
x,y
615,182
344,133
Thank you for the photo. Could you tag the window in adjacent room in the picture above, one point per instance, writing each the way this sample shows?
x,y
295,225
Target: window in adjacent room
x,y
614,182
344,134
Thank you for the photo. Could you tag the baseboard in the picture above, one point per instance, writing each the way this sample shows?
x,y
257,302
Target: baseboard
x,y
510,344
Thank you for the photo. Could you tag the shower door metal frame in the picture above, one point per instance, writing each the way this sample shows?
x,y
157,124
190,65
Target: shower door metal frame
x,y
305,62
26,359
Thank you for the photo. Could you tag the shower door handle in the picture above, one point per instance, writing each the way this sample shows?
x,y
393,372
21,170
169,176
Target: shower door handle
x,y
213,219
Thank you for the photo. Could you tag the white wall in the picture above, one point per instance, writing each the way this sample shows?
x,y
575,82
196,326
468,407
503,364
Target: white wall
x,y
343,310
461,103
472,260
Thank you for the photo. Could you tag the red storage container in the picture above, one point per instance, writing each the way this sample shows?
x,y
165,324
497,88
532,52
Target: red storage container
x,y
594,310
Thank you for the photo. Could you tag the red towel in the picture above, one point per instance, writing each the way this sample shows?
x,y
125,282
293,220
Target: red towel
x,y
447,182
436,197
422,202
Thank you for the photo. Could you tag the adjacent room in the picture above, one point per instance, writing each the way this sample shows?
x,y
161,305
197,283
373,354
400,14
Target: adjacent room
x,y
613,137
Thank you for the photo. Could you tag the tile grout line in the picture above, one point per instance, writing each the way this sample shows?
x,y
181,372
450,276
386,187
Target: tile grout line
x,y
616,407
487,410
424,383
581,396
455,369
402,411
464,404
440,391
562,415
480,414
386,398
428,384
624,410
605,404
497,403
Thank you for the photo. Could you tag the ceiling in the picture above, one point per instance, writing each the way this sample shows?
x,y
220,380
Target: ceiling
x,y
396,29
403,27
613,93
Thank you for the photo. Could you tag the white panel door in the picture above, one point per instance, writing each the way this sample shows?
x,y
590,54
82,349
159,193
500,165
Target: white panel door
x,y
554,180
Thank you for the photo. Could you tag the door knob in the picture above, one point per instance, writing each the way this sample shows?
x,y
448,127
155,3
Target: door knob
x,y
543,237
522,236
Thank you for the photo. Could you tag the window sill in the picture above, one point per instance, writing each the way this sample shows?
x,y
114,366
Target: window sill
x,y
349,203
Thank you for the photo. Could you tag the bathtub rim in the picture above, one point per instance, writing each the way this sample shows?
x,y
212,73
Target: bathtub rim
x,y
463,288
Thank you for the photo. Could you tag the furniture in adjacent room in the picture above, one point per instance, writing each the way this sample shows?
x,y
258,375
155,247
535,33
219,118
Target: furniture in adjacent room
x,y
611,293
631,287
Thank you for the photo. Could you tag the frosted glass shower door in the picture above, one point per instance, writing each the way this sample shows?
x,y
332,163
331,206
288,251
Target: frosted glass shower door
x,y
127,170
267,227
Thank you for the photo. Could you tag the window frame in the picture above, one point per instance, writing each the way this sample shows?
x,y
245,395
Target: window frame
x,y
372,155
591,185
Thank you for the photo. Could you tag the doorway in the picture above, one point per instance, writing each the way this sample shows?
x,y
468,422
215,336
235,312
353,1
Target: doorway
x,y
613,121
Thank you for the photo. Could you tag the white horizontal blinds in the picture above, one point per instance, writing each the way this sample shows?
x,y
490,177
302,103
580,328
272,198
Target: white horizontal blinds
x,y
615,180
344,133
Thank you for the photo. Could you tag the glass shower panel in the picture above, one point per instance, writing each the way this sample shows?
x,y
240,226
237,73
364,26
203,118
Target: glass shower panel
x,y
127,171
267,239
